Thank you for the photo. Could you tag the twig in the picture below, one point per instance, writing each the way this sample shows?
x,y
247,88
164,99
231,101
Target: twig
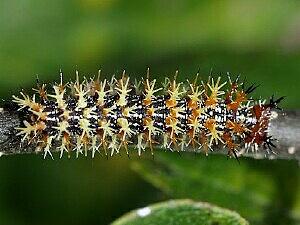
x,y
285,127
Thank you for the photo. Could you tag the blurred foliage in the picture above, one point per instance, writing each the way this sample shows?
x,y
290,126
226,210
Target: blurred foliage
x,y
69,191
259,190
178,212
259,39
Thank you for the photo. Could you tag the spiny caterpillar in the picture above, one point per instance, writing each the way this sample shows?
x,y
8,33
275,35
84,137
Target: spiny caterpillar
x,y
110,115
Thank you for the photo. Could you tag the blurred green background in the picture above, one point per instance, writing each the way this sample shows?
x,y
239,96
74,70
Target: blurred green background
x,y
259,39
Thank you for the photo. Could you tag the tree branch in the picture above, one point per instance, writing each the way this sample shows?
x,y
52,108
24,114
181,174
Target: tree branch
x,y
285,127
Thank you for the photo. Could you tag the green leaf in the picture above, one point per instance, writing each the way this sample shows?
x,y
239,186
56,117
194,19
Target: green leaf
x,y
247,187
181,212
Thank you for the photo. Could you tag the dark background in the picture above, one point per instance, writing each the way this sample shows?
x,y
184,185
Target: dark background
x,y
259,39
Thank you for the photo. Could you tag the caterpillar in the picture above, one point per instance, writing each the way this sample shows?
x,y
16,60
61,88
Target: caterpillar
x,y
93,115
